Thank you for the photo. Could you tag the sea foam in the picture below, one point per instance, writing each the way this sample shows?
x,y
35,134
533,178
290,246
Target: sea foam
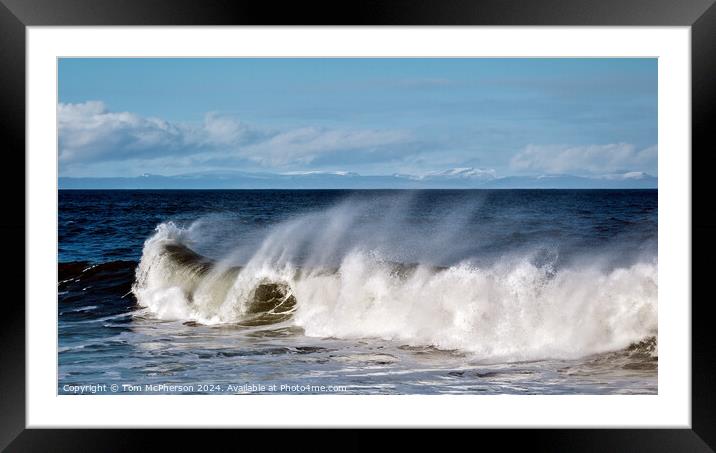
x,y
344,285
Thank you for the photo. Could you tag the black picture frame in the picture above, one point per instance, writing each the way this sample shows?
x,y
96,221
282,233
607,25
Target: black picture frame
x,y
16,15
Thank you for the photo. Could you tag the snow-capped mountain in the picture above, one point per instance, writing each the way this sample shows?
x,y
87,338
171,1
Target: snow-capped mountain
x,y
456,178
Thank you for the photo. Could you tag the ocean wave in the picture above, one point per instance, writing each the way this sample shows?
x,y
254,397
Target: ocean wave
x,y
513,309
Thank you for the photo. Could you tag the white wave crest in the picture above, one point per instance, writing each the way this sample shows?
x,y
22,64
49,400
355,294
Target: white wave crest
x,y
509,310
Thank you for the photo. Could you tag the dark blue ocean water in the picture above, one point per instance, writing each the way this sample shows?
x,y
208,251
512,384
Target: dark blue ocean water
x,y
102,226
106,336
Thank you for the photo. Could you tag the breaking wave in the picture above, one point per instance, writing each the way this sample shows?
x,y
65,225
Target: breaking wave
x,y
514,308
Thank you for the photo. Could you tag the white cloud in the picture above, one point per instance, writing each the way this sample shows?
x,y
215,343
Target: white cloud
x,y
89,132
591,159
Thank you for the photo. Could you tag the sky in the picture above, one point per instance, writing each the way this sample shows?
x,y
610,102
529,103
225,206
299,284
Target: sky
x,y
502,117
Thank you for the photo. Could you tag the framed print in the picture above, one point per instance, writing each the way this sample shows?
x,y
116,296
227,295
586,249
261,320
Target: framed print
x,y
241,218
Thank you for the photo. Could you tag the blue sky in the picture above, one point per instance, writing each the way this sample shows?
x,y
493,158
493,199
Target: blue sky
x,y
506,117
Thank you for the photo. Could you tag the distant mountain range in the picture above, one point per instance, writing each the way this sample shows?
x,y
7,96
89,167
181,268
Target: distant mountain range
x,y
458,178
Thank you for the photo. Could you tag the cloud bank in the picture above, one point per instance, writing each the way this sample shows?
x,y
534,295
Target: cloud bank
x,y
95,141
90,133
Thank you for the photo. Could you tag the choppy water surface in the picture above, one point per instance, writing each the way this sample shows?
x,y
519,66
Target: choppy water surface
x,y
537,292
